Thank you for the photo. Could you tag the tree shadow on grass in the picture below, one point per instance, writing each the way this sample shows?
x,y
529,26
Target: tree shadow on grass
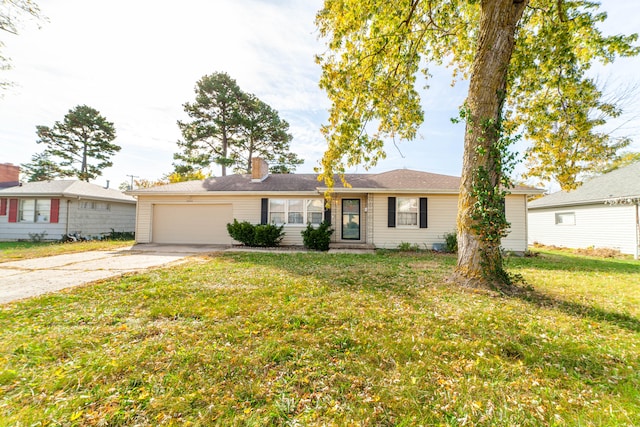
x,y
398,274
561,262
576,309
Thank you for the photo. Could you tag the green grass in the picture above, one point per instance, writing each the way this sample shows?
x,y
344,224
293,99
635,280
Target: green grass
x,y
13,251
328,339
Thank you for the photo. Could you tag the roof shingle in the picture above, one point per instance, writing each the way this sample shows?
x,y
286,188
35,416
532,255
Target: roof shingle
x,y
66,188
395,180
620,183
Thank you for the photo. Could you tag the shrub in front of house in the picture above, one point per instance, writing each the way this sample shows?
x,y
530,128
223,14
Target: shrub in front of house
x,y
451,242
264,235
317,238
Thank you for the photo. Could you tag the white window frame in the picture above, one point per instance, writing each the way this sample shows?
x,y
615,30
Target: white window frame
x,y
565,219
95,206
416,205
40,213
292,207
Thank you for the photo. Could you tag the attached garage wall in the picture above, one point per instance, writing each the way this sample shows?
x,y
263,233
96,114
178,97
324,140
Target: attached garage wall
x,y
158,222
192,224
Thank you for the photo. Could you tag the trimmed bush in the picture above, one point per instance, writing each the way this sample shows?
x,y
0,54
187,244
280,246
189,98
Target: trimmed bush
x,y
265,235
451,242
268,235
317,238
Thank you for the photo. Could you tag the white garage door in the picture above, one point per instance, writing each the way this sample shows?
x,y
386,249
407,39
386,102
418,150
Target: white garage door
x,y
197,224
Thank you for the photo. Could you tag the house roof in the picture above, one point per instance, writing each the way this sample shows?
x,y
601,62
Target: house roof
x,y
66,188
617,184
399,180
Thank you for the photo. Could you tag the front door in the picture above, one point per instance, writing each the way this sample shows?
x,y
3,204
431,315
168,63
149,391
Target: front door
x,y
350,219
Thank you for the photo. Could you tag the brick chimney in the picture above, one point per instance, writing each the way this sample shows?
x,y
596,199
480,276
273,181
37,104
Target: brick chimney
x,y
259,169
9,175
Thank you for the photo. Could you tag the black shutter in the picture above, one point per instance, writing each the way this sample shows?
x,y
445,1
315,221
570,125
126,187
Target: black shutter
x,y
423,212
264,213
327,212
391,219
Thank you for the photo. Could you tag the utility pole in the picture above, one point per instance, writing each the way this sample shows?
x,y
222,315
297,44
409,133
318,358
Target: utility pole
x,y
132,176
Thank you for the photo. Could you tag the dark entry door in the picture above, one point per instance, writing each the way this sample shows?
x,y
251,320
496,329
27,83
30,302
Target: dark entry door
x,y
350,219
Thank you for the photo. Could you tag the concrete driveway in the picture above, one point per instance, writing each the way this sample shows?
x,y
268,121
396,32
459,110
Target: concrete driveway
x,y
27,278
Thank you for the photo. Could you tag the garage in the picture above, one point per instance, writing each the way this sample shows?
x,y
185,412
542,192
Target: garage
x,y
191,224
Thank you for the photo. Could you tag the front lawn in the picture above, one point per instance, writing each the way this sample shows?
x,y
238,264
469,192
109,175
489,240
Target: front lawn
x,y
328,339
13,251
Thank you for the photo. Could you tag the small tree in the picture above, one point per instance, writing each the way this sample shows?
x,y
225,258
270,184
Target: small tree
x,y
82,142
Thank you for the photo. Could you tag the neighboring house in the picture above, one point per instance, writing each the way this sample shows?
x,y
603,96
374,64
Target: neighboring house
x,y
9,175
377,210
601,213
51,209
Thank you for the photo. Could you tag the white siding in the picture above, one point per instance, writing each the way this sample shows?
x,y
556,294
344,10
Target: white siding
x,y
441,219
516,210
245,208
88,223
600,226
12,231
95,223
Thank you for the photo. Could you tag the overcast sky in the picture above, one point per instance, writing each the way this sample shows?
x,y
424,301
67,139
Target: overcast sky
x,y
137,62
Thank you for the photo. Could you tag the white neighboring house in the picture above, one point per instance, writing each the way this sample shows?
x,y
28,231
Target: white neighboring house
x,y
51,209
602,213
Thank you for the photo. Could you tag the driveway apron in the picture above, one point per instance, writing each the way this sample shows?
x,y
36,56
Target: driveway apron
x,y
27,278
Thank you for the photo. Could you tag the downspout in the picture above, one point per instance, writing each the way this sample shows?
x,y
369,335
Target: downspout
x,y
66,226
635,255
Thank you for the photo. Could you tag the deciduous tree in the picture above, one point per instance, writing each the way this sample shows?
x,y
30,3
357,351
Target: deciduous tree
x,y
82,144
566,129
508,49
11,13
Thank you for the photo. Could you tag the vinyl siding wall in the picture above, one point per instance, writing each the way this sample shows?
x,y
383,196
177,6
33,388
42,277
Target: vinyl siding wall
x,y
600,226
98,222
121,217
441,219
245,208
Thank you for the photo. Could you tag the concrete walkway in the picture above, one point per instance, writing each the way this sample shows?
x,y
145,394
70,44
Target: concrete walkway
x,y
27,278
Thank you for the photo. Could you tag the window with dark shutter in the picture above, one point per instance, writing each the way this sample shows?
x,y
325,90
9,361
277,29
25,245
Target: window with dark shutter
x,y
264,212
3,207
327,213
423,212
391,214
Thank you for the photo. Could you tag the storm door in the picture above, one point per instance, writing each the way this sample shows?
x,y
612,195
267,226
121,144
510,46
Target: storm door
x,y
350,219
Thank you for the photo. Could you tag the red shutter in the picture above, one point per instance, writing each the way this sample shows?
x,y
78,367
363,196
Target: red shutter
x,y
55,210
3,207
13,210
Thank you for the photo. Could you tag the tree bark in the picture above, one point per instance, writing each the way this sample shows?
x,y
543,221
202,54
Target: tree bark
x,y
478,260
225,145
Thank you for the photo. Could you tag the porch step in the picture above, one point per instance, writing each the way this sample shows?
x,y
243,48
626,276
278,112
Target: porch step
x,y
344,246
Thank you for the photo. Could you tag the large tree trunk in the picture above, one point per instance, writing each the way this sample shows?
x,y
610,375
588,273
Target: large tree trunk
x,y
480,261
